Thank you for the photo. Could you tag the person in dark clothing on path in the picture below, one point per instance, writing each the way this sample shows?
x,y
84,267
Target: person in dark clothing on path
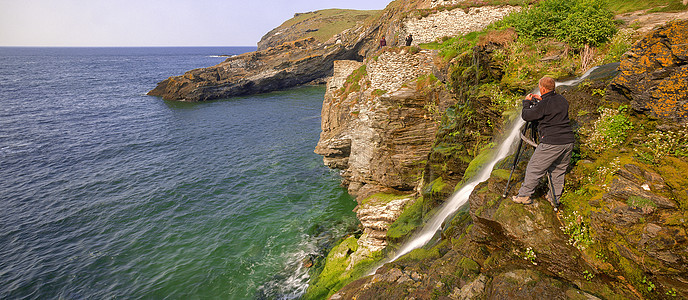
x,y
553,154
409,40
383,42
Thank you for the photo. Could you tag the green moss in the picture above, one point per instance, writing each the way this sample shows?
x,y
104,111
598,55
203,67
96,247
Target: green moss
x,y
421,254
501,174
335,274
378,92
469,265
408,221
437,185
480,160
383,198
640,202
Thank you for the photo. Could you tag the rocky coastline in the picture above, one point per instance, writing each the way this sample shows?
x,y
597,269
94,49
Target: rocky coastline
x,y
407,126
391,127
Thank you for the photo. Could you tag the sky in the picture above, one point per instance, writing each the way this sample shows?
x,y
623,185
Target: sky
x,y
130,23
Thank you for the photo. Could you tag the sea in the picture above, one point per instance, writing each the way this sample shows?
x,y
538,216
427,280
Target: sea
x,y
107,193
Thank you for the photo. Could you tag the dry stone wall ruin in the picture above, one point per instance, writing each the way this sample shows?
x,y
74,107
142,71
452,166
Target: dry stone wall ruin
x,y
453,22
390,71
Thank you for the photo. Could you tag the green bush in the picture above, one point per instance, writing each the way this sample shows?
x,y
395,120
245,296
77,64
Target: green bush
x,y
577,22
541,20
589,23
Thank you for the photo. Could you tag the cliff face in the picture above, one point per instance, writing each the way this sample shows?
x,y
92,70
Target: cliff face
x,y
380,139
621,232
380,124
287,65
302,57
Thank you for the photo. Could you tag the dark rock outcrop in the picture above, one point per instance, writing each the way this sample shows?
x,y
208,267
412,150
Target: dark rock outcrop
x,y
290,64
654,76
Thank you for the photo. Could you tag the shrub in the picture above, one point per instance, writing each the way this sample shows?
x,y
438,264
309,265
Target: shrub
x,y
577,22
541,20
618,45
588,24
609,131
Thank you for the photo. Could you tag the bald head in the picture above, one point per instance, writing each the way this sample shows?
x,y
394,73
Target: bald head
x,y
546,85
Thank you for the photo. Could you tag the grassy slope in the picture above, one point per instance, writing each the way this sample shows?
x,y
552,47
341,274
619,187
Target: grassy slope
x,y
625,6
328,22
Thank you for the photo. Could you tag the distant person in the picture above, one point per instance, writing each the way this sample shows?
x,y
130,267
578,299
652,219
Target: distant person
x,y
409,40
553,154
383,42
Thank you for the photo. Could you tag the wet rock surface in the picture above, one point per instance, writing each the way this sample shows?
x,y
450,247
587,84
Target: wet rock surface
x,y
621,232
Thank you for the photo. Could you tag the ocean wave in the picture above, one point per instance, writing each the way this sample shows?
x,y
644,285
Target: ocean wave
x,y
293,281
222,56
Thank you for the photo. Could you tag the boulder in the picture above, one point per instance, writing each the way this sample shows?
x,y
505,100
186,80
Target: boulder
x,y
653,77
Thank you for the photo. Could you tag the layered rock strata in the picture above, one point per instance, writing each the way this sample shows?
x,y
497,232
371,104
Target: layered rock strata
x,y
380,134
379,138
276,68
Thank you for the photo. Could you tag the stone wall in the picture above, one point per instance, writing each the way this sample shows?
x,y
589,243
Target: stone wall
x,y
453,22
439,3
391,70
342,69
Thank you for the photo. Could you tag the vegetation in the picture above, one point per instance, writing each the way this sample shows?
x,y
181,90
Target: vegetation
x,y
610,130
661,144
577,22
529,255
624,6
408,221
324,24
352,83
549,43
337,273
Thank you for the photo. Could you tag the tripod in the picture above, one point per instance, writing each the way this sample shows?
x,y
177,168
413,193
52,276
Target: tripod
x,y
533,142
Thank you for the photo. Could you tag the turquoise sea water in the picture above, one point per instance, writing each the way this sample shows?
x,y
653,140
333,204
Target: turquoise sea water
x,y
108,193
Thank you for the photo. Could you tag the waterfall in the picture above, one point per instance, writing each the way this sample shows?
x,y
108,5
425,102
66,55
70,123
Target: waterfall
x,y
460,197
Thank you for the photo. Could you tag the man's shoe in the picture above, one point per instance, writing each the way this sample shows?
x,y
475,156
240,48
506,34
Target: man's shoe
x,y
522,200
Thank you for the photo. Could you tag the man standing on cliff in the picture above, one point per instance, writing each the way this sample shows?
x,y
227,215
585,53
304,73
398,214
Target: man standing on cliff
x,y
553,154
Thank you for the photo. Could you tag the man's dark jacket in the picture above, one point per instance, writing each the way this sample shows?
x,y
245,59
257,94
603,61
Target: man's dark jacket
x,y
552,115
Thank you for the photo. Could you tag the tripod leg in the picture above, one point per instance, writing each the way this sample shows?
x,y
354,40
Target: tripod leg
x,y
552,193
513,165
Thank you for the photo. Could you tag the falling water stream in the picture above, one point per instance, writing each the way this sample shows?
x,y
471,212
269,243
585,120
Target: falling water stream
x,y
460,197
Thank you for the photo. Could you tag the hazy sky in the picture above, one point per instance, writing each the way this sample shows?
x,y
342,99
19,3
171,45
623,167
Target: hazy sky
x,y
152,22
